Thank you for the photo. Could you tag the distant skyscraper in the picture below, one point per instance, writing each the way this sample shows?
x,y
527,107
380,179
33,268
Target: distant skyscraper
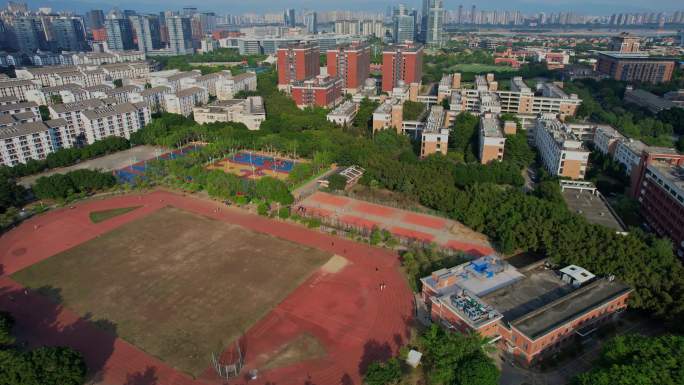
x,y
68,34
147,32
119,33
404,24
432,24
459,16
180,34
290,18
311,21
207,22
29,33
95,19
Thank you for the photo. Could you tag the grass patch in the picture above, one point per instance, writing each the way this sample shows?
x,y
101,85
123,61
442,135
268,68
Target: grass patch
x,y
480,68
101,216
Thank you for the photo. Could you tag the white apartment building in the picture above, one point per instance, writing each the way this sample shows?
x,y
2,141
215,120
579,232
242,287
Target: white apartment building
x,y
248,111
16,108
606,139
22,142
123,94
343,114
74,131
155,98
560,149
115,120
227,88
183,101
17,87
628,153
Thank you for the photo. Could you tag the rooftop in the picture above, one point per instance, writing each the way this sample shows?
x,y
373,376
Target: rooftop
x,y
190,91
481,276
633,56
155,90
22,129
571,306
6,108
105,111
435,120
490,127
77,106
562,134
345,109
592,208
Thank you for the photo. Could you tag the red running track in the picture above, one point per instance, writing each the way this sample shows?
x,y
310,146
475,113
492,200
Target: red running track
x,y
346,311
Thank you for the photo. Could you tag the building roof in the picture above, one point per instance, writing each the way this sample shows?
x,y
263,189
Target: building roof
x,y
16,83
190,91
569,307
77,106
243,76
54,123
183,75
155,90
633,56
15,106
105,111
347,108
490,127
9,99
22,129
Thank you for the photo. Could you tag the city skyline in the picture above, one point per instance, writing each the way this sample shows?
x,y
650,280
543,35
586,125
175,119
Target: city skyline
x,y
585,7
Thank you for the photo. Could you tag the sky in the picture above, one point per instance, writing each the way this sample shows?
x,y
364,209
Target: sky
x,y
589,7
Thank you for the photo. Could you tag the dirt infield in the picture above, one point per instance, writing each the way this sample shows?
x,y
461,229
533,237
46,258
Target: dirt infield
x,y
344,311
178,285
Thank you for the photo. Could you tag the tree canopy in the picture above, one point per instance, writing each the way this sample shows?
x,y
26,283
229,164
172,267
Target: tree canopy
x,y
636,359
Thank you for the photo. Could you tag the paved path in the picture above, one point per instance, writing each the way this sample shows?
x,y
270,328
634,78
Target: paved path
x,y
346,311
111,162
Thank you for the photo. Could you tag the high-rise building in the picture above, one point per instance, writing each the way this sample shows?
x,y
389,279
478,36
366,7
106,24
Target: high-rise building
x,y
30,34
351,63
289,17
119,33
459,15
68,34
401,63
207,22
180,34
95,19
297,62
310,22
473,14
404,25
147,32
624,43
432,24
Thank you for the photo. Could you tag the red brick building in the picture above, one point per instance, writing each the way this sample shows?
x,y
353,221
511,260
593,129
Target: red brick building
x,y
401,62
320,91
297,62
99,34
651,155
351,63
631,67
661,195
529,316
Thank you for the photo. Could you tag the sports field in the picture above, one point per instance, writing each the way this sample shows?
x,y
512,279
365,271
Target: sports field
x,y
253,165
177,284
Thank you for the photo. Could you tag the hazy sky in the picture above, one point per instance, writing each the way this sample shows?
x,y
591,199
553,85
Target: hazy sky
x,y
594,7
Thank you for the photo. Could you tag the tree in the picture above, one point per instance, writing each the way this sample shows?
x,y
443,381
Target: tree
x,y
448,354
379,373
6,325
118,83
636,359
413,110
337,182
478,371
